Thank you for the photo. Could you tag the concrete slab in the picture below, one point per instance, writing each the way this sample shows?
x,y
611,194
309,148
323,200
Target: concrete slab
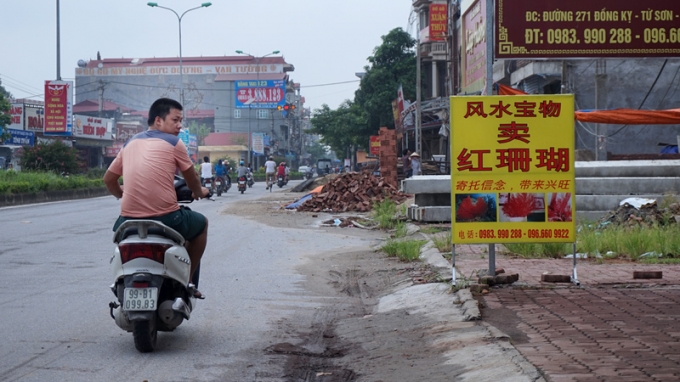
x,y
430,213
632,186
638,168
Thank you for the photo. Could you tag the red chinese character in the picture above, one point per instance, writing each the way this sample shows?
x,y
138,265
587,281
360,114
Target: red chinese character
x,y
500,185
514,159
550,109
525,109
564,184
538,184
525,184
475,108
551,185
474,185
487,184
461,185
461,235
470,234
464,162
512,131
500,109
553,160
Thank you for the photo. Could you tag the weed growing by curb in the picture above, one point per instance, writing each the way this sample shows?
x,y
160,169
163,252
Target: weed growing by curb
x,y
405,250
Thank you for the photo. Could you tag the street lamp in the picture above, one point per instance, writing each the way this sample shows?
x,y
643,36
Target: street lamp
x,y
250,102
179,18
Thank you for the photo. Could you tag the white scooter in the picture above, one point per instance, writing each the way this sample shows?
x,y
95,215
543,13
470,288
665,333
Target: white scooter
x,y
150,270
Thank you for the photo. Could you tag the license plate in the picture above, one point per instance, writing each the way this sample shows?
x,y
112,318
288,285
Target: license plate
x,y
218,183
140,298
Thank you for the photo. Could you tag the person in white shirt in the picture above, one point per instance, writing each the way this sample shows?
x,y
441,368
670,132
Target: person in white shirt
x,y
270,170
206,171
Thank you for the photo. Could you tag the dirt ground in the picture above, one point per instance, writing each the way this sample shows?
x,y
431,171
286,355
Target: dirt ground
x,y
344,341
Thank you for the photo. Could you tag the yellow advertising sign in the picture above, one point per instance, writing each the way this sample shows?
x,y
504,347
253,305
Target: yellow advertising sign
x,y
512,169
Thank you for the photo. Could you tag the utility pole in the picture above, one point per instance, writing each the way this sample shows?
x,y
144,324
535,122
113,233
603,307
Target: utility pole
x,y
58,46
102,86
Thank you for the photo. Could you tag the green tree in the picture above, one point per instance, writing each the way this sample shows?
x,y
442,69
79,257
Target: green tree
x,y
317,151
392,64
55,157
340,129
4,113
201,131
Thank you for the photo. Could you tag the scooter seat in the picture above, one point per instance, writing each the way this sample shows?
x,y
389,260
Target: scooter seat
x,y
154,228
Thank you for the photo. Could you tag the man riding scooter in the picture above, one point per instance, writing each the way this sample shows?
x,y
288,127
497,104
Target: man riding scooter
x,y
207,179
242,173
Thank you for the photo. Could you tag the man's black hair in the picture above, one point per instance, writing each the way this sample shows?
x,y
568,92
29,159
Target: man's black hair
x,y
206,159
161,108
405,152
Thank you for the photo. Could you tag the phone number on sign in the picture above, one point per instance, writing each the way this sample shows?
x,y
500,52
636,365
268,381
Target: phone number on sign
x,y
514,234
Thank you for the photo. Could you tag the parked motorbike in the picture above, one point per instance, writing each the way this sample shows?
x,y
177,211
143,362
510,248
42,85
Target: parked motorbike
x,y
250,180
242,183
150,269
281,181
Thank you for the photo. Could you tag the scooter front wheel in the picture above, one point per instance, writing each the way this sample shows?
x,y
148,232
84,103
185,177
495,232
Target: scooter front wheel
x,y
145,334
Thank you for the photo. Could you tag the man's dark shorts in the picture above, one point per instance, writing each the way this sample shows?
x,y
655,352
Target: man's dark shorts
x,y
188,223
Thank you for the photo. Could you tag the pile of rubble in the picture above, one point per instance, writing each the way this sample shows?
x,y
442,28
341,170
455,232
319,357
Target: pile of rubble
x,y
352,192
647,215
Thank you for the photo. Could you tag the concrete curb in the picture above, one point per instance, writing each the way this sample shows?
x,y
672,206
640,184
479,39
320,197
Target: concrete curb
x,y
469,305
51,196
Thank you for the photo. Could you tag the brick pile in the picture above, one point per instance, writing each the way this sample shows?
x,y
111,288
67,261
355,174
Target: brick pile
x,y
388,155
352,192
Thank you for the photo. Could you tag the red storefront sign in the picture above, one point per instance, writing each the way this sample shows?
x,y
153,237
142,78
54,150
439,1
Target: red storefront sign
x,y
374,144
438,22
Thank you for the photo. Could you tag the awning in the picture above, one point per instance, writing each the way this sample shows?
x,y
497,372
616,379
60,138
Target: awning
x,y
615,116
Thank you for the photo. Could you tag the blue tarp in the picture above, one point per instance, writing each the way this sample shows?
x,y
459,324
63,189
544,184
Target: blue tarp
x,y
299,202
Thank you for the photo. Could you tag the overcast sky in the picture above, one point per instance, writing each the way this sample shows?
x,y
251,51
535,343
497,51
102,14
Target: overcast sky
x,y
327,41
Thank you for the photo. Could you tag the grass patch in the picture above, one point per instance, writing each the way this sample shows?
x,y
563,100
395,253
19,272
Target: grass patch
x,y
430,230
400,228
404,250
622,241
442,242
383,213
12,182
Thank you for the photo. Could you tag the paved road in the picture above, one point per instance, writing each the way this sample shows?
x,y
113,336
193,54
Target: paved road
x,y
54,278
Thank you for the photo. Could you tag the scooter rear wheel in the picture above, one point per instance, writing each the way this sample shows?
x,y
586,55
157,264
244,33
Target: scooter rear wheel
x,y
145,334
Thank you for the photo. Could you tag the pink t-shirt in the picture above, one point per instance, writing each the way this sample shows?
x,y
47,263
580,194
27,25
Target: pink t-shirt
x,y
148,162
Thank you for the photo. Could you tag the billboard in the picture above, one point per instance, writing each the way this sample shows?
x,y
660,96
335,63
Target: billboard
x,y
58,107
604,28
438,22
512,169
374,145
258,143
260,94
19,137
16,114
35,120
474,48
92,127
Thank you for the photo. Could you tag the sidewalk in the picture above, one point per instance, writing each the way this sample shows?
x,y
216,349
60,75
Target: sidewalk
x,y
611,328
590,272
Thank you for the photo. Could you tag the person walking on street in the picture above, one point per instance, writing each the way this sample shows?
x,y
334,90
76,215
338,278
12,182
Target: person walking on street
x,y
149,160
415,164
406,163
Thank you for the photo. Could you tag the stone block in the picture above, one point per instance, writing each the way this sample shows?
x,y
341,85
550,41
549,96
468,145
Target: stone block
x,y
548,278
647,274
